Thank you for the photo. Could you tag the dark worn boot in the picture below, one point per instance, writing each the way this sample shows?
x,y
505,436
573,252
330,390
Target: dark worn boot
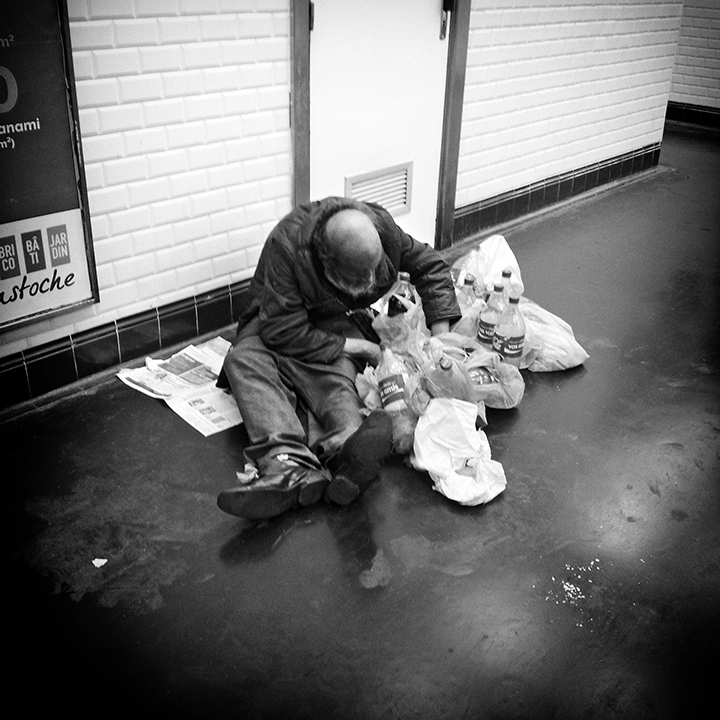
x,y
281,487
357,465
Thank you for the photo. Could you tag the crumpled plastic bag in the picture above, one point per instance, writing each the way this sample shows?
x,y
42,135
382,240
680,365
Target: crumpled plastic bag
x,y
455,454
498,384
404,333
487,261
549,340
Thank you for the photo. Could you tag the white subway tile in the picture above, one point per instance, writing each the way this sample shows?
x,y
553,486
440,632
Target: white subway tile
x,y
169,211
83,65
161,58
89,122
96,93
211,247
259,123
201,55
237,52
158,8
135,32
187,183
227,220
134,268
139,88
204,156
153,238
108,9
195,273
182,82
127,221
109,250
218,27
174,257
178,29
91,35
208,202
107,200
203,106
190,230
149,191
224,176
156,286
167,163
255,25
116,118
116,62
186,135
125,170
147,141
119,296
163,112
221,79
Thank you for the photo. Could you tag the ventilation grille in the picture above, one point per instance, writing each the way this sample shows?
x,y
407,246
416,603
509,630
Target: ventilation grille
x,y
390,187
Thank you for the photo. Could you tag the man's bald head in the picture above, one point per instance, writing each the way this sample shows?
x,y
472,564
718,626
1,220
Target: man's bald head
x,y
353,239
351,251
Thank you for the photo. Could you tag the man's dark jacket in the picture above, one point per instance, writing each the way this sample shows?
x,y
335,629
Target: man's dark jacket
x,y
296,305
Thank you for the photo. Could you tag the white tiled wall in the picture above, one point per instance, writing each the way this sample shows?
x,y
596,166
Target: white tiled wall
x,y
696,78
184,115
553,85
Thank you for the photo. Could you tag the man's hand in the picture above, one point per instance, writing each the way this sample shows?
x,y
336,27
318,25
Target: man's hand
x,y
440,327
363,349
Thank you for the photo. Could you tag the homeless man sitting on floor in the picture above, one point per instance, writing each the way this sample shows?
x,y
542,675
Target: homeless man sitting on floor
x,y
301,342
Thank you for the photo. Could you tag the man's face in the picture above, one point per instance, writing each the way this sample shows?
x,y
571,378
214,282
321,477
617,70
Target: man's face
x,y
353,253
355,282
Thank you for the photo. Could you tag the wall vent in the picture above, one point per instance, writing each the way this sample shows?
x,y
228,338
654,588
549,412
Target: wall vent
x,y
390,187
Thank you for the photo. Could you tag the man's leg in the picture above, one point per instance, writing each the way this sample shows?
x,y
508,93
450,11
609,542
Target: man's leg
x,y
352,446
289,472
328,392
267,403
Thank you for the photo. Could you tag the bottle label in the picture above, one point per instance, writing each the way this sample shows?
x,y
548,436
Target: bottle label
x,y
497,343
509,347
392,391
485,331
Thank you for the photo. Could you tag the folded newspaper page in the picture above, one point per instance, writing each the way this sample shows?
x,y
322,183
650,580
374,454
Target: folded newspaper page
x,y
186,382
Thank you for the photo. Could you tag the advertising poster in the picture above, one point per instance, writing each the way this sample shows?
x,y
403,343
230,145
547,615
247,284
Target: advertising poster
x,y
46,260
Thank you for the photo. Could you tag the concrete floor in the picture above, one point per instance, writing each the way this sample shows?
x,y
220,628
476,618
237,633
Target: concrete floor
x,y
589,589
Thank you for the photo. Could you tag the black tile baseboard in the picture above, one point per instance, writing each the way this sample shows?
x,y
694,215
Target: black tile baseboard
x,y
34,372
474,218
700,115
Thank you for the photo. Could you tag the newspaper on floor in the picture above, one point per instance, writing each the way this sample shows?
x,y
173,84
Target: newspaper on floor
x,y
186,382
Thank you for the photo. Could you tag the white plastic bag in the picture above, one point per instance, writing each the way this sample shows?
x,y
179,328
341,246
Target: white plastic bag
x,y
553,340
455,454
487,261
498,384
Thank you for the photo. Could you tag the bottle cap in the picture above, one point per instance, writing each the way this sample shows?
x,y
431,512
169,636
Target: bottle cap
x,y
498,288
445,363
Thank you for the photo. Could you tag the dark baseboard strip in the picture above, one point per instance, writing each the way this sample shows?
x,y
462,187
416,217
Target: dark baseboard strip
x,y
31,373
699,115
473,219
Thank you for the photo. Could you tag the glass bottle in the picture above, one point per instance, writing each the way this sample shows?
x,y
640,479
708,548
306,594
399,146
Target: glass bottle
x,y
509,338
488,317
401,295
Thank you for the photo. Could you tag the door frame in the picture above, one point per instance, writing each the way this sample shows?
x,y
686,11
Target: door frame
x,y
301,23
